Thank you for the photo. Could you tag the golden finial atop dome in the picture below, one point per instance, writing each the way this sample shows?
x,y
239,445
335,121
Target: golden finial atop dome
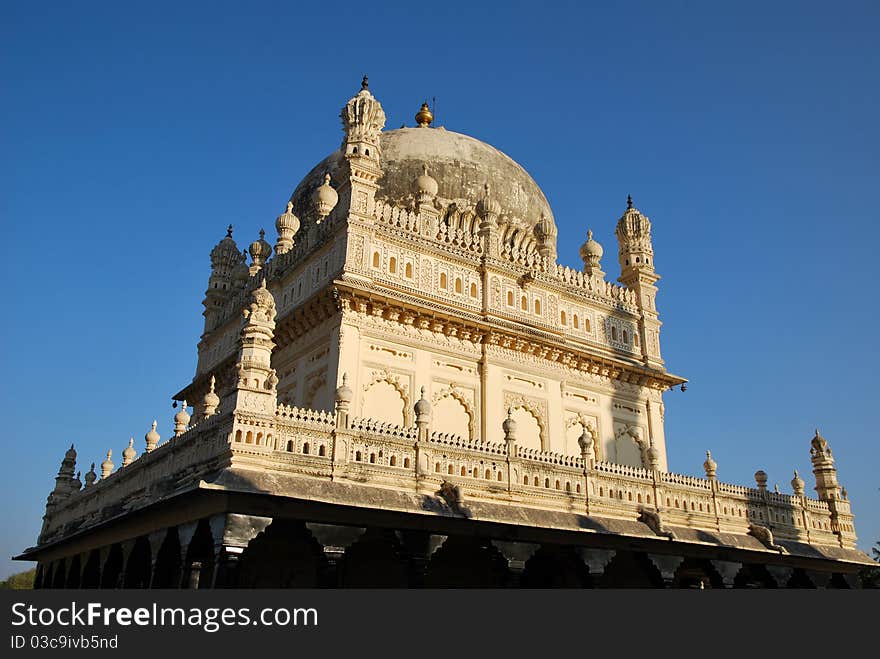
x,y
424,117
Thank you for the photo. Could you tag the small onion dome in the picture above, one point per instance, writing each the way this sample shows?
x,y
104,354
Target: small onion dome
x,y
260,249
128,453
182,417
710,466
797,484
424,117
225,252
425,184
70,454
819,445
591,249
91,476
77,482
585,441
344,394
509,425
325,198
488,205
107,465
761,479
287,221
423,406
546,228
152,438
212,400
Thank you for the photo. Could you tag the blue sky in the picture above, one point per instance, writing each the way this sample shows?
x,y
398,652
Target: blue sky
x,y
133,133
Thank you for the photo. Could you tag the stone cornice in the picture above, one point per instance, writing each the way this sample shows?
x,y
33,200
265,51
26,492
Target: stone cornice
x,y
477,329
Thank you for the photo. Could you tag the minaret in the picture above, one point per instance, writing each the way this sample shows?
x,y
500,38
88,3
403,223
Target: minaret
x,y
362,120
224,259
65,481
256,387
830,492
636,256
823,469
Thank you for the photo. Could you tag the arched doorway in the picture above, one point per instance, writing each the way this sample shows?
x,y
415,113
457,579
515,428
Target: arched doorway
x,y
753,576
629,569
556,567
696,573
112,568
91,577
198,566
467,562
139,567
73,573
284,555
376,560
167,571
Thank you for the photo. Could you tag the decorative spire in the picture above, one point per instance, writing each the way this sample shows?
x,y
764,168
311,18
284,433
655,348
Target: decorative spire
x,y
488,207
287,224
324,199
425,186
229,231
365,82
181,420
129,454
509,427
586,443
424,116
591,254
260,251
761,479
423,410
629,201
152,438
797,484
107,465
362,120
211,400
710,466
91,476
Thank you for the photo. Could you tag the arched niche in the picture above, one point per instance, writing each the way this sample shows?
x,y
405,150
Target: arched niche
x,y
528,429
451,415
384,401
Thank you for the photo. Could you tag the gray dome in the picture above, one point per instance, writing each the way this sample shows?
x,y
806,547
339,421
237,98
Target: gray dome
x,y
460,164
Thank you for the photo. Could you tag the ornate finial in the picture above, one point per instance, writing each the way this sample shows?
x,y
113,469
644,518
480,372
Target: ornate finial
x,y
797,484
710,466
589,234
629,201
509,427
107,465
424,116
229,231
152,438
324,198
423,391
344,379
128,454
365,83
289,207
262,234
